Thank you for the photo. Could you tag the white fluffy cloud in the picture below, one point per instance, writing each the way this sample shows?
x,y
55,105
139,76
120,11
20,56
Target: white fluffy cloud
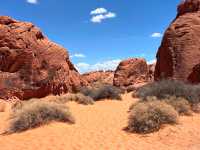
x,y
106,65
100,14
98,11
156,35
32,1
78,55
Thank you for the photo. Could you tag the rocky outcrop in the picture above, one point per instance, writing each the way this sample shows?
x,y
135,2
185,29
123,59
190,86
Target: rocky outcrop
x,y
131,72
104,77
179,53
31,65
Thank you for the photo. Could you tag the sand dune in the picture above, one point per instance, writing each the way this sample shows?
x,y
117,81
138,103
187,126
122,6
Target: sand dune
x,y
100,127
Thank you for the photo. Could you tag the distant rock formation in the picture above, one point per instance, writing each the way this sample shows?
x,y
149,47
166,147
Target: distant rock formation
x,y
104,77
131,72
179,53
31,65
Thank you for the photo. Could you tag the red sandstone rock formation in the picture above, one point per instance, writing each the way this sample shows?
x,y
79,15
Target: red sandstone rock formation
x,y
131,72
31,65
105,77
179,53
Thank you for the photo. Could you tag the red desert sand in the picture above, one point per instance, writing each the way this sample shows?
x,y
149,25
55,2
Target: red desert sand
x,y
101,127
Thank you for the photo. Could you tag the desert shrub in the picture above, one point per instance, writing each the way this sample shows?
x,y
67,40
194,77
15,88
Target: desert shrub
x,y
102,92
166,88
37,113
181,105
148,116
79,98
17,106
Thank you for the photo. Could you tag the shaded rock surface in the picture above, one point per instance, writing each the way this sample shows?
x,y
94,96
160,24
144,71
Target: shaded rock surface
x,y
131,72
179,53
105,77
31,65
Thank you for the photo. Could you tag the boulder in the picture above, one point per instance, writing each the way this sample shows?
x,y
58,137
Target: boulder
x,y
179,53
31,65
104,77
131,72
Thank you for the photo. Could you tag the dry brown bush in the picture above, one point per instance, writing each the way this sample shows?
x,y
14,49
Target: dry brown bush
x,y
35,113
146,117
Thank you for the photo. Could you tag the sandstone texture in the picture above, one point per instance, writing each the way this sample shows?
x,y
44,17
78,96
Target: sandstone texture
x,y
179,54
31,65
104,77
131,72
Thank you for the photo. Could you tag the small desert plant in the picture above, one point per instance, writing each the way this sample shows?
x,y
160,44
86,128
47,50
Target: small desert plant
x,y
166,88
102,92
148,116
79,98
37,113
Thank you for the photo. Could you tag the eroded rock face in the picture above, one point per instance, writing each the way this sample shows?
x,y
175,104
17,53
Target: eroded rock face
x,y
31,65
104,77
179,52
131,72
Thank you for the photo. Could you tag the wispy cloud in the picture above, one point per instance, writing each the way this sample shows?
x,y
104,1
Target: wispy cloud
x,y
105,65
32,1
156,35
78,55
100,14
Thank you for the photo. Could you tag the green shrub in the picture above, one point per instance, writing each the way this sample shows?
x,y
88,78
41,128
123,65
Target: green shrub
x,y
147,117
166,88
102,92
36,113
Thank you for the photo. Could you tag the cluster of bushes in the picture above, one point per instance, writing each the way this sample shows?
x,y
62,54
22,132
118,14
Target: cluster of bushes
x,y
36,113
102,92
161,103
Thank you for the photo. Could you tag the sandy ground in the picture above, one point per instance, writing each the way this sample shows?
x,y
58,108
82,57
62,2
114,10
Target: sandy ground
x,y
100,127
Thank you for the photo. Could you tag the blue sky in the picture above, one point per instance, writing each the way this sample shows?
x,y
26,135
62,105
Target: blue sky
x,y
98,33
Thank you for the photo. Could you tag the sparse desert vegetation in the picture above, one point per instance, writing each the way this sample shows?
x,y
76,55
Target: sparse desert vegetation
x,y
148,116
71,97
159,100
171,89
102,91
37,113
95,94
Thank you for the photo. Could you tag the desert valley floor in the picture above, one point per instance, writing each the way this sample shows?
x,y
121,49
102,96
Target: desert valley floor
x,y
101,127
